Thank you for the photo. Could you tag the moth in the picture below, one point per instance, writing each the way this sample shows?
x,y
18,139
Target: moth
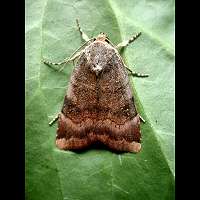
x,y
99,105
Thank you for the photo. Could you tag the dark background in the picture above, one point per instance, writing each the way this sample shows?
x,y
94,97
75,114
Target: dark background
x,y
12,97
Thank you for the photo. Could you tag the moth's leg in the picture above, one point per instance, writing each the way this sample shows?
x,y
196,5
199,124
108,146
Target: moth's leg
x,y
127,42
141,118
65,61
54,120
83,35
136,73
76,54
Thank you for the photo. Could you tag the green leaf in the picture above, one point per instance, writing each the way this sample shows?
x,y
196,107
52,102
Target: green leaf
x,y
51,32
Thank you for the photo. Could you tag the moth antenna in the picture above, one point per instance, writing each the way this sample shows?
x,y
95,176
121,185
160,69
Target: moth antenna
x,y
81,47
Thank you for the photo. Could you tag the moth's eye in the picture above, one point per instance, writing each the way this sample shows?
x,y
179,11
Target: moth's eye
x,y
94,39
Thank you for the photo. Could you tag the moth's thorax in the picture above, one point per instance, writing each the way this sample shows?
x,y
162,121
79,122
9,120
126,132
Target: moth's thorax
x,y
99,54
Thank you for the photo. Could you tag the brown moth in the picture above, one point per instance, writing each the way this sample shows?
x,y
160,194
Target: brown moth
x,y
99,104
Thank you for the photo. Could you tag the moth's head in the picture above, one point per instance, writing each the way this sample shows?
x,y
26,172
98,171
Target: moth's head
x,y
102,37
